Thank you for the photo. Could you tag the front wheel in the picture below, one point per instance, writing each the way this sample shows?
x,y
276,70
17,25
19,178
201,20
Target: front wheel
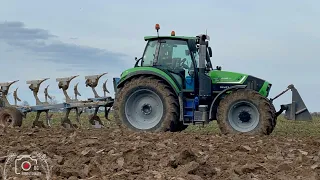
x,y
146,104
245,111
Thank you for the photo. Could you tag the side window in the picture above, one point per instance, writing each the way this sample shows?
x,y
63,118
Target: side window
x,y
173,54
182,53
165,54
149,54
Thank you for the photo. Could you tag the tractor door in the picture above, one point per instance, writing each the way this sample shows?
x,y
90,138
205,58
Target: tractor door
x,y
182,59
173,57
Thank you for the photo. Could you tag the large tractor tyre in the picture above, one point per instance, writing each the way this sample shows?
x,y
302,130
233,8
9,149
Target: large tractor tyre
x,y
10,117
245,111
146,104
274,119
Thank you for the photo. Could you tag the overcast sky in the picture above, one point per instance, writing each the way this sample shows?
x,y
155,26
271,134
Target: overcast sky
x,y
276,40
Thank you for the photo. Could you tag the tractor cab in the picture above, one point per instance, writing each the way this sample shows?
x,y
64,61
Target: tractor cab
x,y
178,56
171,55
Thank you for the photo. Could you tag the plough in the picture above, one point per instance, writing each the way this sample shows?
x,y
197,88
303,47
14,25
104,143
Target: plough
x,y
8,112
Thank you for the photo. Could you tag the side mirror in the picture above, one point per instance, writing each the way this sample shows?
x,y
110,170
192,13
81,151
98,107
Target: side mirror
x,y
135,58
210,51
187,52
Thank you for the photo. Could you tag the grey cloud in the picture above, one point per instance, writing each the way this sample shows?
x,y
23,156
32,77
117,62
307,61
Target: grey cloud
x,y
46,46
67,53
18,31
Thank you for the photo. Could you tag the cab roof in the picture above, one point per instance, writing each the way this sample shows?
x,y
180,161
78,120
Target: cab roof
x,y
147,38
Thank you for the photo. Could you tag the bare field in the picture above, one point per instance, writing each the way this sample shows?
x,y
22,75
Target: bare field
x,y
291,152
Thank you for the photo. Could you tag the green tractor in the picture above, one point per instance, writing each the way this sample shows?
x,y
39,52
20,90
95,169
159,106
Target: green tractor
x,y
174,85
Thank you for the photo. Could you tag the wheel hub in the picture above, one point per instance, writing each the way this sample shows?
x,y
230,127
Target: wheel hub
x,y
8,120
146,109
244,116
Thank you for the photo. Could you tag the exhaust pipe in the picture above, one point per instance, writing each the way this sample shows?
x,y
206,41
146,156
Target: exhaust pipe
x,y
296,110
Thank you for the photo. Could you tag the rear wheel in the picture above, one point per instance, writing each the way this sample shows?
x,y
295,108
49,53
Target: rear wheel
x,y
10,117
274,119
146,104
245,111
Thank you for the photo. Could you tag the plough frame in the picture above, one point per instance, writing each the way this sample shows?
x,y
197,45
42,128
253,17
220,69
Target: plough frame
x,y
69,104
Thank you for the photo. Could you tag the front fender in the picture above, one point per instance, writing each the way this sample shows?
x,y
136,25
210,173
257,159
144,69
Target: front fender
x,y
218,97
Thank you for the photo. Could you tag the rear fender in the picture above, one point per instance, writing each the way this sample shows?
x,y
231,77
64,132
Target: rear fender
x,y
118,83
212,112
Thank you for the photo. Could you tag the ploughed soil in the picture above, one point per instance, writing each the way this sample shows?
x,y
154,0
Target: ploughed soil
x,y
111,153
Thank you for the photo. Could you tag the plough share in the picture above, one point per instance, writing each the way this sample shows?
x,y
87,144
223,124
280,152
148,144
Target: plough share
x,y
12,115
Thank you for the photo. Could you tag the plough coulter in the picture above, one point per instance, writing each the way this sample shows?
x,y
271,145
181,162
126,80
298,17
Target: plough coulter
x,y
12,115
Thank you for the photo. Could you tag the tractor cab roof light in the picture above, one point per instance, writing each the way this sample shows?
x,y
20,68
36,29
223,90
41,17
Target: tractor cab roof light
x,y
157,27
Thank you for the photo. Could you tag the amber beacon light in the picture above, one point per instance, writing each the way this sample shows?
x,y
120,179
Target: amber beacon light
x,y
157,27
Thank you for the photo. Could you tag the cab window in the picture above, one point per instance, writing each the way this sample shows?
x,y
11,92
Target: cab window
x,y
175,54
149,53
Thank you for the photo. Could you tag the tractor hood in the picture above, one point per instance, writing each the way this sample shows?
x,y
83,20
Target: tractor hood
x,y
225,79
